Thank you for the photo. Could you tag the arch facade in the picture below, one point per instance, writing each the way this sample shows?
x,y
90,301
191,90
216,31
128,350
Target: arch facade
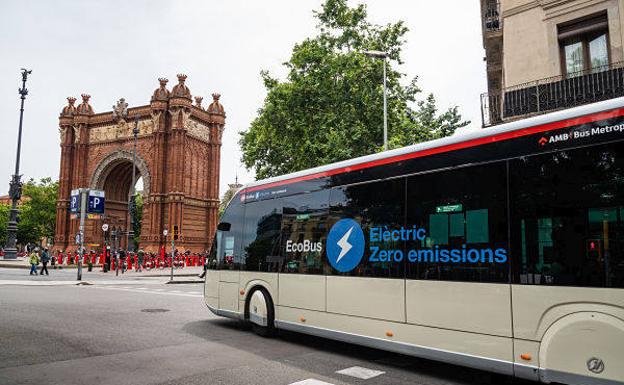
x,y
178,155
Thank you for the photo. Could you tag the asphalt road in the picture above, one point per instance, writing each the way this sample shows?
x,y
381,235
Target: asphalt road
x,y
145,332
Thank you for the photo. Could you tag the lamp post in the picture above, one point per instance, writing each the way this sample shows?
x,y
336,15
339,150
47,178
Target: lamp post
x,y
384,56
131,201
15,189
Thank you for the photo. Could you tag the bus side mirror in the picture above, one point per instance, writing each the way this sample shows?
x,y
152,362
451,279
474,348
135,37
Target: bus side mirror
x,y
224,226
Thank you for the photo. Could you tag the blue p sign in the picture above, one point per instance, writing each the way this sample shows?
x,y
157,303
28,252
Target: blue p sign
x,y
74,205
96,202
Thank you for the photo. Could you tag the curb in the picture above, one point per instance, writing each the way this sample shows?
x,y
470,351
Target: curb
x,y
182,282
14,266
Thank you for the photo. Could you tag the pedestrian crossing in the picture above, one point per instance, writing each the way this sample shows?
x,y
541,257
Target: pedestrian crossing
x,y
358,372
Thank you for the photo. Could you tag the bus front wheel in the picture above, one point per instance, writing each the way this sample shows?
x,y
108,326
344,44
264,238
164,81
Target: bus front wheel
x,y
261,313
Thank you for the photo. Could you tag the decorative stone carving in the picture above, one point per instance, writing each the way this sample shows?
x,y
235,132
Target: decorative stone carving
x,y
63,133
197,130
76,134
156,120
120,110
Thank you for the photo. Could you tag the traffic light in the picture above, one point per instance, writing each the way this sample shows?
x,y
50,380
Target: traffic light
x,y
594,248
176,232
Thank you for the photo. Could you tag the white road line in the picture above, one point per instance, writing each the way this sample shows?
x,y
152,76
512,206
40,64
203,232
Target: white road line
x,y
360,372
311,381
149,291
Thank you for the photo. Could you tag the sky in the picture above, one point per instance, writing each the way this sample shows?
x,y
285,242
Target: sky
x,y
118,48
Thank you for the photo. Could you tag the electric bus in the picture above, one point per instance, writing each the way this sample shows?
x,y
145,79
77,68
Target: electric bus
x,y
500,249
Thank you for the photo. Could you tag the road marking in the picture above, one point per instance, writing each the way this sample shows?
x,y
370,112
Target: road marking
x,y
311,381
360,372
36,283
154,291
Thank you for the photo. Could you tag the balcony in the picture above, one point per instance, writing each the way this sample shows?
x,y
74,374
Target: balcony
x,y
551,94
491,17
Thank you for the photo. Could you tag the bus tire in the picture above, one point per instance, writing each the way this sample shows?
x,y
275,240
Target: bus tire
x,y
260,312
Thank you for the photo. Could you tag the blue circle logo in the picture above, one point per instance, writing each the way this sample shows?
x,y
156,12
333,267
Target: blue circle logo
x,y
345,245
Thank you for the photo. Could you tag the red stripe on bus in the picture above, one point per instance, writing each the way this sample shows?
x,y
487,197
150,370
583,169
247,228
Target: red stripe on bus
x,y
450,147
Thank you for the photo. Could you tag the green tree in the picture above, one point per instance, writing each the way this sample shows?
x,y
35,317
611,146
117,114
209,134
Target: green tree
x,y
4,222
330,106
138,199
37,218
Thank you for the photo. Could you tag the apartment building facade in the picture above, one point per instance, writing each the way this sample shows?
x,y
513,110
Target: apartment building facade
x,y
546,55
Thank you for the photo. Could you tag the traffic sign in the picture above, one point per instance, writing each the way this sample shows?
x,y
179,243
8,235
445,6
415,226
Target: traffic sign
x,y
96,202
105,227
74,205
165,232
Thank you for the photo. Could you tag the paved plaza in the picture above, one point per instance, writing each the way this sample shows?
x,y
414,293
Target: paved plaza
x,y
135,329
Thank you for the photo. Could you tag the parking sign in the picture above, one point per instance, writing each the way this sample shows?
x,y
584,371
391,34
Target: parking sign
x,y
96,202
74,201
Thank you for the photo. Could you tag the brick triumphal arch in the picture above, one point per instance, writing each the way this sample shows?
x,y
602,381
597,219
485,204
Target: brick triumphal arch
x,y
178,151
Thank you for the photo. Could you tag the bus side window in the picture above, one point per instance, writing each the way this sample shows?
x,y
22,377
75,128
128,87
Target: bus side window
x,y
375,206
304,231
261,236
568,217
464,215
228,251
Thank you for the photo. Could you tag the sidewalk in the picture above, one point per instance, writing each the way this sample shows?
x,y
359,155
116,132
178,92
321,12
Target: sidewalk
x,y
187,271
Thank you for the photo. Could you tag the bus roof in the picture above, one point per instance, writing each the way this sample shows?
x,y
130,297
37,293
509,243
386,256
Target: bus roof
x,y
554,120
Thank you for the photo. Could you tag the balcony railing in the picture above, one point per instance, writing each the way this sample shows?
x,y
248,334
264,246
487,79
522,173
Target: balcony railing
x,y
547,95
491,18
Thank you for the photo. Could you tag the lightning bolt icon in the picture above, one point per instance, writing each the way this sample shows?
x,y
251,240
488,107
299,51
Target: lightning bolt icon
x,y
344,244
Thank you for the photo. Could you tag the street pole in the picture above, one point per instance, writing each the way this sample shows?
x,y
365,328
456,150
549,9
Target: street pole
x,y
84,197
385,106
131,201
15,189
172,252
115,245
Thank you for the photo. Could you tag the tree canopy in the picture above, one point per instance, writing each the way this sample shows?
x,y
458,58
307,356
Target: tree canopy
x,y
330,107
38,211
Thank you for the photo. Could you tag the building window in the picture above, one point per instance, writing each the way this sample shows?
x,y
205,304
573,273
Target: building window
x,y
584,45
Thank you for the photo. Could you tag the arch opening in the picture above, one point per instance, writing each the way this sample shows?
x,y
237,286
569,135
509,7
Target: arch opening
x,y
114,176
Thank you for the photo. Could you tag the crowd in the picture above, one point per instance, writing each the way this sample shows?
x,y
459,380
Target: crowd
x,y
112,259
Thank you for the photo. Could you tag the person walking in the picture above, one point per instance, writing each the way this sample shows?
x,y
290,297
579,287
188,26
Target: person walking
x,y
122,260
141,256
107,259
34,261
45,258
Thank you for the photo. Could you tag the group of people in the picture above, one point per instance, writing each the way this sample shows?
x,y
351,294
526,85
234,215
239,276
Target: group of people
x,y
39,256
106,258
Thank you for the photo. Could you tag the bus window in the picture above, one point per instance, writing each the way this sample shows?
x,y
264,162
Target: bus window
x,y
463,213
261,236
377,207
304,231
227,247
567,223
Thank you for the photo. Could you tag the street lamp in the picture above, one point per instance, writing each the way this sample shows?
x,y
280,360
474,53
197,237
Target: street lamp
x,y
15,189
131,201
384,56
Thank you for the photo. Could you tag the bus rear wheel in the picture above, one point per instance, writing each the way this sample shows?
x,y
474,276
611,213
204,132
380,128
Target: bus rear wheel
x,y
261,313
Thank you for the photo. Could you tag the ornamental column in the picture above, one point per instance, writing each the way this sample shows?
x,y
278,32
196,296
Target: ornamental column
x,y
66,123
